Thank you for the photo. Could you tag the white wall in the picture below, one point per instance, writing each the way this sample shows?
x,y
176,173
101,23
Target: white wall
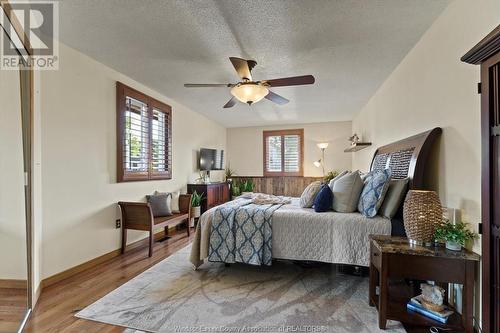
x,y
430,88
245,147
79,159
13,264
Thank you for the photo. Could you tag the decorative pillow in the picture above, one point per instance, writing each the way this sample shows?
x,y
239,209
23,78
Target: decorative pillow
x,y
393,198
174,202
309,194
160,204
343,173
323,201
346,191
365,176
373,193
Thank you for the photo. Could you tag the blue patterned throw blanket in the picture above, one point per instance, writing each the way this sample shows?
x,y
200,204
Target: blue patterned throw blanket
x,y
242,232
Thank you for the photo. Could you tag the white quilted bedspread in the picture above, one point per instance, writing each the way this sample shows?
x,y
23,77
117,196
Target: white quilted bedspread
x,y
302,234
342,238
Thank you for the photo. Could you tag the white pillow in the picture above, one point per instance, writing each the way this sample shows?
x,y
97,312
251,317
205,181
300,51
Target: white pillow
x,y
346,192
175,202
343,173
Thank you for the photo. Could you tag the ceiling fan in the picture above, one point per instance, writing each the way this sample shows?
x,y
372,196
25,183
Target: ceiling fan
x,y
249,91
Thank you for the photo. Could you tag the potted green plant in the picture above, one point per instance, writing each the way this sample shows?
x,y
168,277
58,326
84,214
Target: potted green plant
x,y
329,176
235,189
247,186
195,206
229,173
454,234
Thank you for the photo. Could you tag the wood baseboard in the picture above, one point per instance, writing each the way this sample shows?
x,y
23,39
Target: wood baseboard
x,y
13,284
96,261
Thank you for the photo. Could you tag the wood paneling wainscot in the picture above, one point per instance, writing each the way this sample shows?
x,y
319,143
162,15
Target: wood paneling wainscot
x,y
289,186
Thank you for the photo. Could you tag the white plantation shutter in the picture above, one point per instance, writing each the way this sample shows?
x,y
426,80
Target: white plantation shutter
x,y
292,153
161,144
158,131
135,147
283,152
273,156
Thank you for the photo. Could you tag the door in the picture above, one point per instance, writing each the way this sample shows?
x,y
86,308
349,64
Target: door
x,y
15,189
487,54
490,129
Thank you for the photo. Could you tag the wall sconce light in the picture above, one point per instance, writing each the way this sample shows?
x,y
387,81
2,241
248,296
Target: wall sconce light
x,y
321,161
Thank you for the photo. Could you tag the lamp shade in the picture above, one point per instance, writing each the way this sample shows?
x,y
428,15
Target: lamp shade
x,y
322,145
249,92
422,213
317,163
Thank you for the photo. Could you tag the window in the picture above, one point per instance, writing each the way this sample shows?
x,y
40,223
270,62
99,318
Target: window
x,y
283,152
144,133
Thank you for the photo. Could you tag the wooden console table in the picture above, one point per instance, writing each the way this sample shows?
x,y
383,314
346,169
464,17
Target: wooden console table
x,y
214,194
394,258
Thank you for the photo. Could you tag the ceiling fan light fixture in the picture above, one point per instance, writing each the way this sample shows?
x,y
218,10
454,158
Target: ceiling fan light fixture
x,y
249,92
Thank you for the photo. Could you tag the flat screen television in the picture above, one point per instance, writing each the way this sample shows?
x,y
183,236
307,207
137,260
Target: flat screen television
x,y
211,159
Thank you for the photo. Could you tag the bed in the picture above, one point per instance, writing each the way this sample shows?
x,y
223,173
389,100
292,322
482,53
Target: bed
x,y
340,238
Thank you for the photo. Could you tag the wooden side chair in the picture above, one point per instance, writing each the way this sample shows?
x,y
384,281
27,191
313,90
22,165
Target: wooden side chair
x,y
139,216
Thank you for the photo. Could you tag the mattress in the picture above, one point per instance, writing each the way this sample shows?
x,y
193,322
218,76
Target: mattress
x,y
302,234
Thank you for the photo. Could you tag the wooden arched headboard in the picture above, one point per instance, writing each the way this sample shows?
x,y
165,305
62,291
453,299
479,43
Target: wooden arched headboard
x,y
407,157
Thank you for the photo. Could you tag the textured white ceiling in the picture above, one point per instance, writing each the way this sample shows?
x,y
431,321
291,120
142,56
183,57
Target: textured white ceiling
x,y
350,46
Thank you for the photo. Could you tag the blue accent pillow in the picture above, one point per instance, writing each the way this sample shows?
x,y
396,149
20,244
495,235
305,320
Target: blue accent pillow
x,y
374,190
324,199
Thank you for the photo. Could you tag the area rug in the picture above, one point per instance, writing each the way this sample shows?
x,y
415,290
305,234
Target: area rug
x,y
284,297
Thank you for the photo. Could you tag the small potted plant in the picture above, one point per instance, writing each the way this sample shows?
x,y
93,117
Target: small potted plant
x,y
229,173
454,234
195,206
246,187
235,190
329,176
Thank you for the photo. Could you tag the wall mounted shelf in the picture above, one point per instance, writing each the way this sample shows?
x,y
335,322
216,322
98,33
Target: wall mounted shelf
x,y
357,146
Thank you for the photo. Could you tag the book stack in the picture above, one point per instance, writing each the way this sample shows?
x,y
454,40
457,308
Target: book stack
x,y
415,305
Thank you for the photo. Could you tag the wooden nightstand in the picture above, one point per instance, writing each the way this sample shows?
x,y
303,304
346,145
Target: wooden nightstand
x,y
394,258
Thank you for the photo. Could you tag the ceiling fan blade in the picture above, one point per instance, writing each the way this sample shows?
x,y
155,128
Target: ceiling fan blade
x,y
243,67
290,81
230,103
203,85
273,97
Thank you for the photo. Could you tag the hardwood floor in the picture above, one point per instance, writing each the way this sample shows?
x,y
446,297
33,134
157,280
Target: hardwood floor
x,y
59,302
13,305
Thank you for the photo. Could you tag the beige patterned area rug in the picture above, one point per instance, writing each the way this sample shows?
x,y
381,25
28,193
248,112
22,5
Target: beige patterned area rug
x,y
285,297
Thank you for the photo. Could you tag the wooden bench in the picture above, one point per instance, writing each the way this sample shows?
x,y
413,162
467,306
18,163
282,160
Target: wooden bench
x,y
139,216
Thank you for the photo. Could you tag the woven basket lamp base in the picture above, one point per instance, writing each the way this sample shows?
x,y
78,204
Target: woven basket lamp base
x,y
422,212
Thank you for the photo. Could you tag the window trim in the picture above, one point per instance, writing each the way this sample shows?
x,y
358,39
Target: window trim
x,y
122,91
282,133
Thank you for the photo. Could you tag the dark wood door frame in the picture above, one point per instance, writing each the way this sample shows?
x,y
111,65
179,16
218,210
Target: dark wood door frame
x,y
487,54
